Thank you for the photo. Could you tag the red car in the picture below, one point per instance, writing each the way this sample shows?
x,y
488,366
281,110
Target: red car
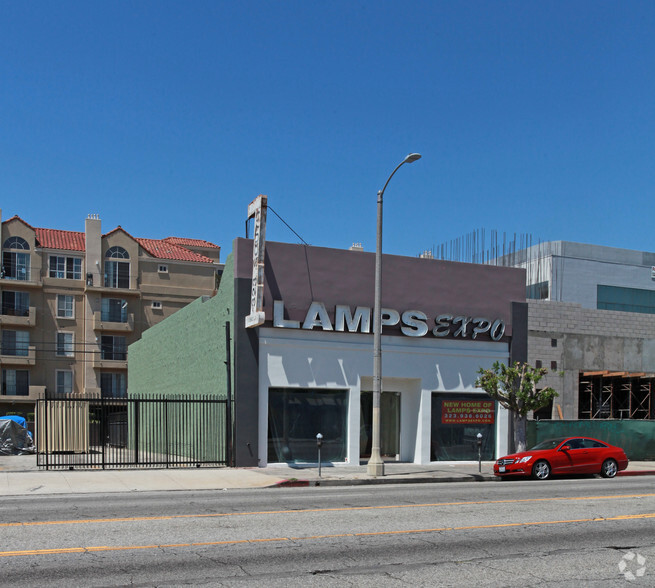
x,y
565,455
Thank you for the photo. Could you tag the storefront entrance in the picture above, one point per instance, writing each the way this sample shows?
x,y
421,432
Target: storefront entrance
x,y
389,425
297,415
456,421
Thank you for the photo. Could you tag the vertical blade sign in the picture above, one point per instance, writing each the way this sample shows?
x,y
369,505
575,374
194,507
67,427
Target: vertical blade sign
x,y
257,208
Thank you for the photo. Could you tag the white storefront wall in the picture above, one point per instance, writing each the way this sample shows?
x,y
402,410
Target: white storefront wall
x,y
415,367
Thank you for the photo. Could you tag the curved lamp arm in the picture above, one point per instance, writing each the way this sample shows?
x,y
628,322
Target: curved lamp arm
x,y
411,158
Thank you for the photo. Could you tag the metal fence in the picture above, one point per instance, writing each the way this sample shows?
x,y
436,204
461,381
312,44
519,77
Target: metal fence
x,y
139,431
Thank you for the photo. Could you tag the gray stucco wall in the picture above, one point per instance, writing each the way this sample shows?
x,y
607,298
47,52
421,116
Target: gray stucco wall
x,y
580,339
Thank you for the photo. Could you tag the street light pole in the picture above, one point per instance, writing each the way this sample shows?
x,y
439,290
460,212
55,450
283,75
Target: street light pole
x,y
375,465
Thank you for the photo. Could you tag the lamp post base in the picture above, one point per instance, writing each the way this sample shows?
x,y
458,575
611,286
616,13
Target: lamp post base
x,y
375,467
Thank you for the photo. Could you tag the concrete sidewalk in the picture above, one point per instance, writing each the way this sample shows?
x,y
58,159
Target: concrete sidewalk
x,y
19,475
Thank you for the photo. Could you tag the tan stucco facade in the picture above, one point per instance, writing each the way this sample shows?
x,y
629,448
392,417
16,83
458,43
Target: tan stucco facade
x,y
68,330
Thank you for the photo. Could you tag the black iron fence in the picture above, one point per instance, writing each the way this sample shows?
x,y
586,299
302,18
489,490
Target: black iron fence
x,y
139,431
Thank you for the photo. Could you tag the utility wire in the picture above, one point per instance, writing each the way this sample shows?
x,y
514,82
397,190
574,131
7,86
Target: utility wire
x,y
287,224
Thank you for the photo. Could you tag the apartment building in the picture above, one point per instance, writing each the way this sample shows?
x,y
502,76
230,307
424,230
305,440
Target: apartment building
x,y
72,302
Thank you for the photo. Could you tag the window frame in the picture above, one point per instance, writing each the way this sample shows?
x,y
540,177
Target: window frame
x,y
16,383
65,267
19,347
116,275
110,351
15,266
69,386
17,309
65,344
65,298
107,312
117,385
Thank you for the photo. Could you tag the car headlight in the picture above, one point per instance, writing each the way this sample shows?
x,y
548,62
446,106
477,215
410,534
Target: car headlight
x,y
526,458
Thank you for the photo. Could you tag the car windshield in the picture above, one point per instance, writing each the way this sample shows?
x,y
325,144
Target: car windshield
x,y
548,444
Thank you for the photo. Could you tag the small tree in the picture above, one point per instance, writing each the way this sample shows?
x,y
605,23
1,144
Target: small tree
x,y
515,388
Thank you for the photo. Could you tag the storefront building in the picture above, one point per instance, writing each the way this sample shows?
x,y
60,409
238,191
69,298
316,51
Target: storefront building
x,y
307,367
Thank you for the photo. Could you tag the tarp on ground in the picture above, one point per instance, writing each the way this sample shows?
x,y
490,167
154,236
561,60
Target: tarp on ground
x,y
14,438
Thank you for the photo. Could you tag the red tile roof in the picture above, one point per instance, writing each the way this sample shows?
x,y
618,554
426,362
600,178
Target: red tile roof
x,y
191,242
56,239
163,249
170,248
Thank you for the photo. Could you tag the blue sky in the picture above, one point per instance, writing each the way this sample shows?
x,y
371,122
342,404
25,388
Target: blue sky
x,y
168,118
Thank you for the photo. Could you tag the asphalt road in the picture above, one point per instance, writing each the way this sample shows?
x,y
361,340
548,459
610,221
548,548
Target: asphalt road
x,y
576,532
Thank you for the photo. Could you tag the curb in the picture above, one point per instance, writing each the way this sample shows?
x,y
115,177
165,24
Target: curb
x,y
377,481
297,483
636,473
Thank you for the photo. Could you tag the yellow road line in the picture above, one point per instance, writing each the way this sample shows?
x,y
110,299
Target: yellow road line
x,y
99,548
318,510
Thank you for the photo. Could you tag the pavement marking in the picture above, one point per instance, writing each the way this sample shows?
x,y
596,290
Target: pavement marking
x,y
101,548
315,510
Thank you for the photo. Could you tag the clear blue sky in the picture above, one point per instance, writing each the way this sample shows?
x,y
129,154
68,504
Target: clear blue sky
x,y
168,118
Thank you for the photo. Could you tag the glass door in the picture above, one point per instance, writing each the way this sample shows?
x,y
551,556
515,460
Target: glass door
x,y
389,425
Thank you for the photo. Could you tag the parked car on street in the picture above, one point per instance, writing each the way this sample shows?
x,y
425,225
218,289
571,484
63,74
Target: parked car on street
x,y
564,455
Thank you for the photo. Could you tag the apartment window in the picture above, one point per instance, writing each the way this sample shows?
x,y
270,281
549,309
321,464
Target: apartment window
x,y
113,385
15,382
15,303
16,243
65,306
113,347
15,265
65,345
64,382
15,343
117,273
163,269
69,268
156,305
114,310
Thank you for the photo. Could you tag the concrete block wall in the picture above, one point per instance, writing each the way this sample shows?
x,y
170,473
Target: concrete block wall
x,y
567,339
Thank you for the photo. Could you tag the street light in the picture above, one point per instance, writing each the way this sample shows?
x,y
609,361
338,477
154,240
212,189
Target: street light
x,y
375,465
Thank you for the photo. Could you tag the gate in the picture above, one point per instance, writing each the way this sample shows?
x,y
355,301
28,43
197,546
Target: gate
x,y
139,431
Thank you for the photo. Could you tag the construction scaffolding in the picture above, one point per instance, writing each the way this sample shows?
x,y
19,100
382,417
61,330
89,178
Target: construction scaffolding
x,y
616,395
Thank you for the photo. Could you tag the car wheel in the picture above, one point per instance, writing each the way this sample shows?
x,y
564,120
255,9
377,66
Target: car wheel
x,y
541,470
609,468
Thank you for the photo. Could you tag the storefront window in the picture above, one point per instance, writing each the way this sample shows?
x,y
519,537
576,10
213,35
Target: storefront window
x,y
296,415
456,421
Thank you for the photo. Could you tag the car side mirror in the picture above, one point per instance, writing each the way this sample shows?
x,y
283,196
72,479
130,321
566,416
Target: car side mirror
x,y
565,447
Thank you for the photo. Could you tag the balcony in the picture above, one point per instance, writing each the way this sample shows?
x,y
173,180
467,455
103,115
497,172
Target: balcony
x,y
11,282
35,392
124,327
16,318
20,360
109,364
110,357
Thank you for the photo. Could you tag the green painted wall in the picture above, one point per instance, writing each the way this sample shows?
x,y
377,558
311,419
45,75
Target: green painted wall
x,y
185,354
636,437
